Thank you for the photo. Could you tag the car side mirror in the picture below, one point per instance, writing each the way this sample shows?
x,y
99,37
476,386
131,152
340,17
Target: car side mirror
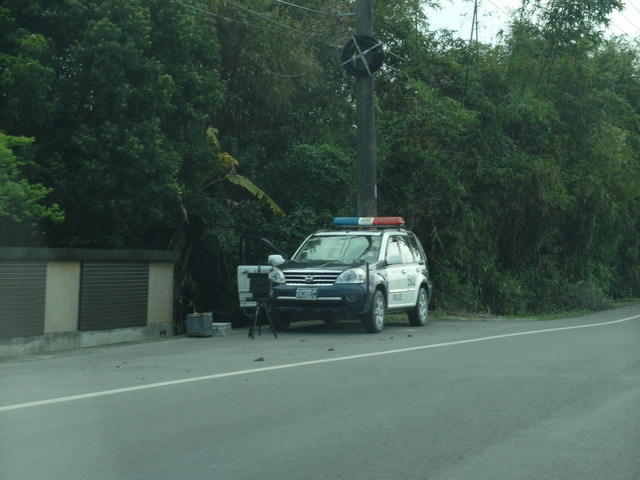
x,y
275,260
394,259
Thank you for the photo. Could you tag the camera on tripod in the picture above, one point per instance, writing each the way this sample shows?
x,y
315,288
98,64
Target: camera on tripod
x,y
260,291
259,286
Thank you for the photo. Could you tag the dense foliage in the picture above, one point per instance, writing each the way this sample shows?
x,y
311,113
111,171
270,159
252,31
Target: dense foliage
x,y
518,164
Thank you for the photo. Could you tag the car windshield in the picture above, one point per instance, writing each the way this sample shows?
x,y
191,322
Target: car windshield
x,y
340,248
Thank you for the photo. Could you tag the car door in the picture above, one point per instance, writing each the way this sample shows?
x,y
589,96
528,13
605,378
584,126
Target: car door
x,y
422,269
402,277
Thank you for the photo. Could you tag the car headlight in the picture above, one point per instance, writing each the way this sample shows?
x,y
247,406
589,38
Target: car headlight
x,y
353,275
276,275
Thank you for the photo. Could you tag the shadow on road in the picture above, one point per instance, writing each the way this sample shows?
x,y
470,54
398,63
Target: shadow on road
x,y
354,327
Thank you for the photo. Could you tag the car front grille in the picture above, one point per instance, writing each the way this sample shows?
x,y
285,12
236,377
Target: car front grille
x,y
306,277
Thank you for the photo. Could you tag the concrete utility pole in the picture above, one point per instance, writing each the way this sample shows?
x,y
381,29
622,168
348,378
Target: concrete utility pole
x,y
366,123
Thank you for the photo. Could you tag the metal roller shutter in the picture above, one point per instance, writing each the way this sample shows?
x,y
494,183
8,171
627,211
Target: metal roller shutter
x,y
22,297
113,295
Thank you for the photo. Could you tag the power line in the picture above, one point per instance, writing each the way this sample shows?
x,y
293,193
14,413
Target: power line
x,y
630,22
339,18
488,17
295,31
228,19
505,13
268,70
244,22
259,64
267,19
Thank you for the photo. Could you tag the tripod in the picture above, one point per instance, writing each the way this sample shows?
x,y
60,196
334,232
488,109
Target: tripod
x,y
262,310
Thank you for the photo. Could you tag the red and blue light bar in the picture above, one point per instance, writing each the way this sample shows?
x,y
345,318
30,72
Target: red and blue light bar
x,y
368,222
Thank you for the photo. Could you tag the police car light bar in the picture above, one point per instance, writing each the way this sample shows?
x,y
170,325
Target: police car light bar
x,y
368,222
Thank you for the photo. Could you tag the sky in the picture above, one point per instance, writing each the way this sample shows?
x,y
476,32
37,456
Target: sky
x,y
493,15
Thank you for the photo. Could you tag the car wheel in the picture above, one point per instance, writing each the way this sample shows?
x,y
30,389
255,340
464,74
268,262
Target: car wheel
x,y
419,314
373,320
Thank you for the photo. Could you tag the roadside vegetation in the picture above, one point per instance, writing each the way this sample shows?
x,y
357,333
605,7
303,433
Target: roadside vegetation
x,y
517,163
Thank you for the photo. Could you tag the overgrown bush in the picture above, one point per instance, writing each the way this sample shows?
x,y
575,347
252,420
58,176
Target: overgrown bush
x,y
583,296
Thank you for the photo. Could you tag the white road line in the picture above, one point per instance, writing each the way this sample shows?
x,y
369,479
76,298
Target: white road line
x,y
299,364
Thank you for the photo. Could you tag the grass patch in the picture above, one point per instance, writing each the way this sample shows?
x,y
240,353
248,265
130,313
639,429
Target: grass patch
x,y
460,315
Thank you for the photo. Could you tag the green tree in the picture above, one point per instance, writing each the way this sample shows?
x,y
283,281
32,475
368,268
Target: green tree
x,y
134,83
19,199
517,163
289,114
270,53
521,192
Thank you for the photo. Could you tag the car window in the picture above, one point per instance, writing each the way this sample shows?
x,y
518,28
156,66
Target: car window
x,y
398,246
392,246
413,245
340,248
405,251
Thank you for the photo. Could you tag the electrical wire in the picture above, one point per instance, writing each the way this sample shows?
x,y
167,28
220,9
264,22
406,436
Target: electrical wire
x,y
630,22
257,14
279,24
268,70
505,13
293,30
228,19
267,19
309,10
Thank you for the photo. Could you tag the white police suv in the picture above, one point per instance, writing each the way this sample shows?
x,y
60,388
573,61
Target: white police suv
x,y
364,266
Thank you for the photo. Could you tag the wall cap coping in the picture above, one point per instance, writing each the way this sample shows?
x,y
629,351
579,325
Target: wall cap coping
x,y
88,254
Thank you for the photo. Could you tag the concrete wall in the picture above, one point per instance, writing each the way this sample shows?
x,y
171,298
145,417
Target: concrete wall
x,y
62,300
62,297
160,293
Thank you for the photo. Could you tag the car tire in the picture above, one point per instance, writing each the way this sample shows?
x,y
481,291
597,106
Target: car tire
x,y
419,314
373,320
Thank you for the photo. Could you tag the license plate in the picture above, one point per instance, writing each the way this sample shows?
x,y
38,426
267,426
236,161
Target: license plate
x,y
306,293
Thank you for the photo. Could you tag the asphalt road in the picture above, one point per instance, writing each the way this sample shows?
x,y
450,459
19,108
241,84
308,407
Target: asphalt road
x,y
453,400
